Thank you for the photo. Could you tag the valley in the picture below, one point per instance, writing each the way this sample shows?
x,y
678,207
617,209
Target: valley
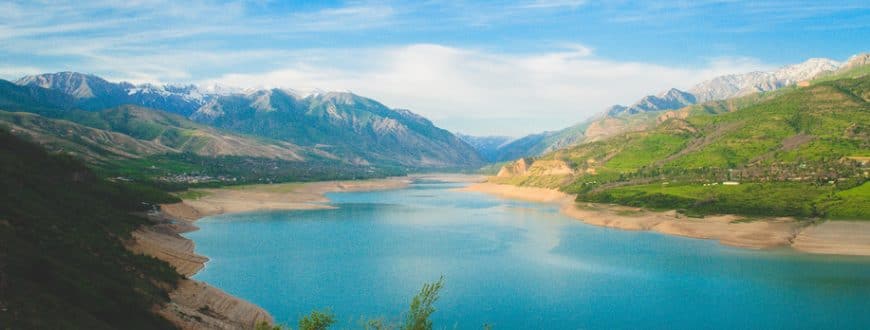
x,y
390,165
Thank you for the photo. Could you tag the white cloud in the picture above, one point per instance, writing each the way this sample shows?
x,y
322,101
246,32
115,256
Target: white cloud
x,y
522,93
13,72
461,88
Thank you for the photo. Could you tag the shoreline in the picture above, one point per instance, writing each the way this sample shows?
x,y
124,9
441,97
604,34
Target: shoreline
x,y
195,304
851,238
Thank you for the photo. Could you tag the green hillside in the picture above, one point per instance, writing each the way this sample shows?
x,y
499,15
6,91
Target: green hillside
x,y
60,248
351,127
800,151
142,144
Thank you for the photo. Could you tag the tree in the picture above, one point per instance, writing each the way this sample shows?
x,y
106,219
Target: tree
x,y
266,326
421,306
317,320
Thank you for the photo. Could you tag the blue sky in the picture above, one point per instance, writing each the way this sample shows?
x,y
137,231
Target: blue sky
x,y
501,67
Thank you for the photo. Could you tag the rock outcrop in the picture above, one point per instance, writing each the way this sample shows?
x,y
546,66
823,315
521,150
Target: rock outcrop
x,y
517,168
550,167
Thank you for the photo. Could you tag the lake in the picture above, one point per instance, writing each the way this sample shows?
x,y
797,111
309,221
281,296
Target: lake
x,y
515,265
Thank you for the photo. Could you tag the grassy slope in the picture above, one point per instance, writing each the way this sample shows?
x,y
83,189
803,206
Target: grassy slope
x,y
757,199
151,145
824,112
849,204
145,145
165,132
767,138
62,261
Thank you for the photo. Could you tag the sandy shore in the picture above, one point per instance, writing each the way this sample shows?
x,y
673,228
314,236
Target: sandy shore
x,y
287,196
835,237
192,304
830,237
197,305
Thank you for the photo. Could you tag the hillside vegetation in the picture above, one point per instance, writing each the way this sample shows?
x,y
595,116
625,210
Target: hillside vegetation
x,y
61,251
798,151
142,144
350,127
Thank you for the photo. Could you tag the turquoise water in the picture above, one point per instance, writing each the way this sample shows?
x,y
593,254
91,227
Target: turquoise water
x,y
516,265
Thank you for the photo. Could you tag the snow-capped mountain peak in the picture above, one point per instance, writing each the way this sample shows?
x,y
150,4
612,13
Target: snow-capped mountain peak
x,y
723,87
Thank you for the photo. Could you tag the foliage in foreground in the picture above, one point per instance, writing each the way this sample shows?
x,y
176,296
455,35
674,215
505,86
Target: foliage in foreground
x,y
422,307
418,316
317,320
62,261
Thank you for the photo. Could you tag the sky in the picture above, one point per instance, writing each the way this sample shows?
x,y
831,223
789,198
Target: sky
x,y
478,67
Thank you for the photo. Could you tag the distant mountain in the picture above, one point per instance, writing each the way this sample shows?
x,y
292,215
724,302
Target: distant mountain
x,y
521,147
672,99
728,86
81,86
33,99
149,144
639,116
94,93
346,125
127,131
860,60
855,67
799,151
486,146
536,144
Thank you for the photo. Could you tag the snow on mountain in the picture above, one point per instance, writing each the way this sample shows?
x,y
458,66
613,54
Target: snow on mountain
x,y
732,85
78,85
727,86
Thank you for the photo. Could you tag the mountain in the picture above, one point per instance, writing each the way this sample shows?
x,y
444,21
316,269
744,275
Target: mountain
x,y
641,115
152,145
91,92
855,67
856,61
671,99
534,144
33,99
799,151
125,131
77,85
728,86
521,147
346,125
742,84
486,146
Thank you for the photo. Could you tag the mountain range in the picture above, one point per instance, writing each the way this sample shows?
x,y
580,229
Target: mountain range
x,y
800,151
620,118
106,121
335,125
